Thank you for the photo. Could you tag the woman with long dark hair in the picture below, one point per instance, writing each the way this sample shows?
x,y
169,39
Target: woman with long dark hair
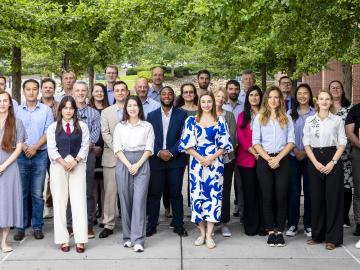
x,y
12,135
324,141
246,162
188,99
206,138
302,108
133,145
273,138
342,107
68,147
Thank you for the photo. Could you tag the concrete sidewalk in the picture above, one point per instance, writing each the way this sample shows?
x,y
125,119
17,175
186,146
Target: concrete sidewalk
x,y
166,250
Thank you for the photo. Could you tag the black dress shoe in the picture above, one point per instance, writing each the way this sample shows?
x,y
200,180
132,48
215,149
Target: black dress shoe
x,y
19,236
180,231
357,230
38,234
150,232
101,225
105,233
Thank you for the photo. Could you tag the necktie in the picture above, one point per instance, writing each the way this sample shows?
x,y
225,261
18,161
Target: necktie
x,y
68,131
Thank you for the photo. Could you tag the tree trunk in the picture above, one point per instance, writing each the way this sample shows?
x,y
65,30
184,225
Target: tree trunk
x,y
65,62
91,77
16,73
347,78
263,76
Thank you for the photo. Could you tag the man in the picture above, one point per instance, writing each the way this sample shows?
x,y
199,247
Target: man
x,y
233,103
203,78
142,89
352,132
247,80
167,165
92,118
110,117
68,79
157,76
285,85
48,87
3,89
33,161
111,74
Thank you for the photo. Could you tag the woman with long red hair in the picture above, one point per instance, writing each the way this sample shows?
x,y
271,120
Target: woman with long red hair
x,y
12,134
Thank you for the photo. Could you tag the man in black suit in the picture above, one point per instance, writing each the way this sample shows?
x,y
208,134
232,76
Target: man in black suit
x,y
167,164
285,85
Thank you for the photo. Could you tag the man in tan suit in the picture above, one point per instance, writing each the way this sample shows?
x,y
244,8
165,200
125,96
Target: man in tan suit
x,y
110,117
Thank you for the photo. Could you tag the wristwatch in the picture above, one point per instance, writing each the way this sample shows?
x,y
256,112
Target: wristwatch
x,y
334,161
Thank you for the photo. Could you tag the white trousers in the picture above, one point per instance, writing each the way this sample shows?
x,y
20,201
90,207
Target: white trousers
x,y
64,185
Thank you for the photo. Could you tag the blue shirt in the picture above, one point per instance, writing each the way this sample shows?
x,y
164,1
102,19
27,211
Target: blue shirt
x,y
120,113
235,108
271,136
110,95
15,105
35,121
150,105
299,127
154,94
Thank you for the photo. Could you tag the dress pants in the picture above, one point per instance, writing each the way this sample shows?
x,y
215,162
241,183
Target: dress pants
x,y
347,203
239,196
65,186
173,179
133,191
110,196
90,176
225,206
355,154
274,191
253,217
327,199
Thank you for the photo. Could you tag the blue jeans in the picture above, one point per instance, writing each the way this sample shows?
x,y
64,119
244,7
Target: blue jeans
x,y
298,170
32,173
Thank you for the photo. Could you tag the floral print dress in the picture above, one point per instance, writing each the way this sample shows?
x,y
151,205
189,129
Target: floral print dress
x,y
206,183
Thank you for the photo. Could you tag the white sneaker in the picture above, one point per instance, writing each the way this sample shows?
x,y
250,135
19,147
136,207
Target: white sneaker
x,y
357,245
138,248
128,244
48,212
225,231
292,231
307,232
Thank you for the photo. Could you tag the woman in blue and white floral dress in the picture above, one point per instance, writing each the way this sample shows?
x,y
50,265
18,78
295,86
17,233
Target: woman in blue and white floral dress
x,y
206,138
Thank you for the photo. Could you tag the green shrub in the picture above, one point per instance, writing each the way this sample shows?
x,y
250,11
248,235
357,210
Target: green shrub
x,y
145,74
131,71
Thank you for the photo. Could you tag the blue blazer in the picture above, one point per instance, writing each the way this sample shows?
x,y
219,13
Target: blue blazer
x,y
176,125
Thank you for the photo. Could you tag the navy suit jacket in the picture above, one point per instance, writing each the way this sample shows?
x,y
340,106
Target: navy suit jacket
x,y
176,125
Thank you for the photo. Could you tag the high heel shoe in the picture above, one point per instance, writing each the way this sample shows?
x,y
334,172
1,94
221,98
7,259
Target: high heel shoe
x,y
80,249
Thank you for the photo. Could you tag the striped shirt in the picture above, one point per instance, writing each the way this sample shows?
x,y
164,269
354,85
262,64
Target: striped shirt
x,y
92,118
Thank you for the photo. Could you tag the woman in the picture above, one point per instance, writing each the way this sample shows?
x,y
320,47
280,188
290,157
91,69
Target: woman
x,y
324,141
220,98
303,107
12,135
133,145
206,138
98,101
246,162
68,147
273,138
188,99
342,107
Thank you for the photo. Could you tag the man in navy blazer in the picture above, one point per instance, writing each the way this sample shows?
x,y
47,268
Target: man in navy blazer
x,y
167,164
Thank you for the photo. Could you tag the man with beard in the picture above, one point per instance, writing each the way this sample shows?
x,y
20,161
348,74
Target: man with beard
x,y
233,103
167,164
157,75
203,78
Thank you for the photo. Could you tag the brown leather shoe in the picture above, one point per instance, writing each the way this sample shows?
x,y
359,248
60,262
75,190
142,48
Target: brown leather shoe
x,y
91,234
330,246
312,242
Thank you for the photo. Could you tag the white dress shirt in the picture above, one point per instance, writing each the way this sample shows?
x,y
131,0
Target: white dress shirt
x,y
51,141
138,137
324,133
165,123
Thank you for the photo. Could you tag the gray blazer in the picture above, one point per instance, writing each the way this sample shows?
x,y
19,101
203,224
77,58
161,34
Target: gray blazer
x,y
109,120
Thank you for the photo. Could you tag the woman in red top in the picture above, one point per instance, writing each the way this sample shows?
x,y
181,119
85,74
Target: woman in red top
x,y
246,161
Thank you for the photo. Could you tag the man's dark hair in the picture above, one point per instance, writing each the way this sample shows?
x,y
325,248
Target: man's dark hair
x,y
203,71
234,82
31,81
45,80
284,77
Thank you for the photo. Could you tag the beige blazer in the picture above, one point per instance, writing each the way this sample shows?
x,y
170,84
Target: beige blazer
x,y
109,120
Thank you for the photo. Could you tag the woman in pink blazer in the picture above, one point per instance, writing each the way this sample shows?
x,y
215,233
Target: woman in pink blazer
x,y
246,161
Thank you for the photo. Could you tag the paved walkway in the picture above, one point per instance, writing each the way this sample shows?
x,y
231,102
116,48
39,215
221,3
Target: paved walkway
x,y
166,250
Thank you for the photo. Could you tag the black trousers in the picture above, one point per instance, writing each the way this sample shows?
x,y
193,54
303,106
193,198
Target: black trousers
x,y
253,216
173,178
347,204
327,199
225,207
274,190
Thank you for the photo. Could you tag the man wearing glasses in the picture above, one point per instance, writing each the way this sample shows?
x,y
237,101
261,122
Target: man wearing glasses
x,y
285,85
111,74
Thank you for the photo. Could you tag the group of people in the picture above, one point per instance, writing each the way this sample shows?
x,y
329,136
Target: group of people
x,y
108,149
